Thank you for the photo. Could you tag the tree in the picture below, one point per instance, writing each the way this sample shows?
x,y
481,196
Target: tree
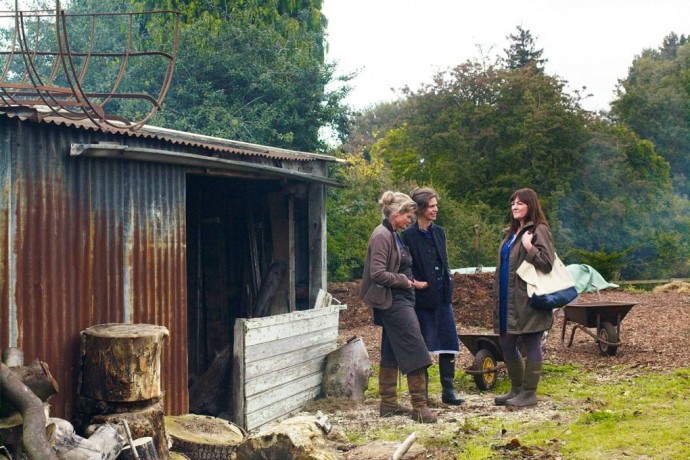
x,y
654,100
522,52
249,70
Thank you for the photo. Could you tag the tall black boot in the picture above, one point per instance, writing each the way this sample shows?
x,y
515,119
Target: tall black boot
x,y
446,365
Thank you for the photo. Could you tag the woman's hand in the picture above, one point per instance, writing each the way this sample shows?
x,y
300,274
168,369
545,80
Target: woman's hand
x,y
527,240
419,284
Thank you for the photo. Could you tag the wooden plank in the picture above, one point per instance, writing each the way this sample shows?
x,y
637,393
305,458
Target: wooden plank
x,y
282,331
267,399
286,360
255,323
292,296
282,409
323,299
666,281
283,376
317,240
279,215
276,347
238,374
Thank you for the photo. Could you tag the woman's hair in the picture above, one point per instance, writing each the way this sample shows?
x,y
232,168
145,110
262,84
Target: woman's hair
x,y
422,196
534,211
396,202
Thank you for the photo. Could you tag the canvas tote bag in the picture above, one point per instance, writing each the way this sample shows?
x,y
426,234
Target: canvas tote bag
x,y
548,291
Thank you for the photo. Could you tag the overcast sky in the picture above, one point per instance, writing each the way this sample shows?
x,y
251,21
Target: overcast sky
x,y
589,43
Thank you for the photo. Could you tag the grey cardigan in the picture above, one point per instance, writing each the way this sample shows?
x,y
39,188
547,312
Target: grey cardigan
x,y
381,268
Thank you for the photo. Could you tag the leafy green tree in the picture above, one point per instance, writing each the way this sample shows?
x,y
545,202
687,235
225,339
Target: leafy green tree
x,y
246,70
654,100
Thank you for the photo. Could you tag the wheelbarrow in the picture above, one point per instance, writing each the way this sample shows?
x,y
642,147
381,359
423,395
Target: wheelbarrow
x,y
487,354
605,316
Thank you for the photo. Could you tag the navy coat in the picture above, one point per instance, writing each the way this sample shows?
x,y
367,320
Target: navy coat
x,y
423,266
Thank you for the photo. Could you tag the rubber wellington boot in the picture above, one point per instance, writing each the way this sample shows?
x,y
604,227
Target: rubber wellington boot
x,y
388,389
528,395
516,373
446,366
417,386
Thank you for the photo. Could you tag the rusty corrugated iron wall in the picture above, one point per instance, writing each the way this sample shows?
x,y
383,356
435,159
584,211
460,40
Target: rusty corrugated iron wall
x,y
84,242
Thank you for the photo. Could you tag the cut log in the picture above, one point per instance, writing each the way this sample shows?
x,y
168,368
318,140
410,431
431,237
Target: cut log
x,y
33,415
210,393
104,444
145,422
145,450
347,371
37,378
202,437
121,362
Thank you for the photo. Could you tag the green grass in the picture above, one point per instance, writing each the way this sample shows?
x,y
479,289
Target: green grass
x,y
608,414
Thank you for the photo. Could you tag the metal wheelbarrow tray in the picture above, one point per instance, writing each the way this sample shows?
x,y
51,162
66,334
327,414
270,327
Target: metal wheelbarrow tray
x,y
605,316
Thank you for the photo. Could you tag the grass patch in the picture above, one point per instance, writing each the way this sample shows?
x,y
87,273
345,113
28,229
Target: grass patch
x,y
581,415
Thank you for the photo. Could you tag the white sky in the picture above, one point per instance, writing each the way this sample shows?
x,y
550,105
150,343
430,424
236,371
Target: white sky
x,y
589,43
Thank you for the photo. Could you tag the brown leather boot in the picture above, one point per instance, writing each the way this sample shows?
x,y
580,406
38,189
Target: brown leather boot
x,y
388,389
416,383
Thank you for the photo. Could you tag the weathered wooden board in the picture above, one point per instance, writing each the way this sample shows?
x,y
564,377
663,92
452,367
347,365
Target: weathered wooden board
x,y
282,408
279,362
281,376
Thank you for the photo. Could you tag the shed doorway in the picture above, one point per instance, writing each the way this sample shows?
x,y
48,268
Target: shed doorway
x,y
240,232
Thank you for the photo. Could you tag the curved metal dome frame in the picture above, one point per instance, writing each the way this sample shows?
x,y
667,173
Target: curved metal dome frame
x,y
75,101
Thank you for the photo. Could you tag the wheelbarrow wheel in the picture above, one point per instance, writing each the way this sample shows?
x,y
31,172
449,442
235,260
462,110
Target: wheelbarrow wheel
x,y
608,333
484,360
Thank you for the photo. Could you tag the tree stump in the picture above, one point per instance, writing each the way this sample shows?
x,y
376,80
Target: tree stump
x,y
200,437
147,421
121,362
347,371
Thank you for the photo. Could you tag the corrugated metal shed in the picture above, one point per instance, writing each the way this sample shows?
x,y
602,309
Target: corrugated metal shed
x,y
85,241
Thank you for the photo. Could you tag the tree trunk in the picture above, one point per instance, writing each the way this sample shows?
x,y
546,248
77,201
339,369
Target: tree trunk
x,y
121,362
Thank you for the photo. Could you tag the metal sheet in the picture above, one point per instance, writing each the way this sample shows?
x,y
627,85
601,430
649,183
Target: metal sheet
x,y
84,242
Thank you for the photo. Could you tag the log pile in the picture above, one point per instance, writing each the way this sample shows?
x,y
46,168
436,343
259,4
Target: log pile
x,y
120,383
26,430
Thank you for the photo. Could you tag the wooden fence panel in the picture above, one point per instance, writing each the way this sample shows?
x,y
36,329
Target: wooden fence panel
x,y
279,362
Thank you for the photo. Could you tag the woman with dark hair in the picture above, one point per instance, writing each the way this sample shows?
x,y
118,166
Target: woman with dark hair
x,y
527,238
427,243
389,287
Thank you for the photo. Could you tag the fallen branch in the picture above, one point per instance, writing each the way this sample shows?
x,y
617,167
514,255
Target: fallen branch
x,y
404,447
33,415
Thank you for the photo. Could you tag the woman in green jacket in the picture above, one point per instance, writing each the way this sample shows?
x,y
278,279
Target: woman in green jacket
x,y
528,238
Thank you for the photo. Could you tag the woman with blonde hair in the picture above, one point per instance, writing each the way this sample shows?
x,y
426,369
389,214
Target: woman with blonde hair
x,y
389,288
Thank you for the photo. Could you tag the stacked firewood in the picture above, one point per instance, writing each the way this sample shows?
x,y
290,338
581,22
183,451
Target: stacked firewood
x,y
27,431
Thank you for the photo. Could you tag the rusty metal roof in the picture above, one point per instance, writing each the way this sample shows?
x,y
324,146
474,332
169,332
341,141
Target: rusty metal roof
x,y
214,144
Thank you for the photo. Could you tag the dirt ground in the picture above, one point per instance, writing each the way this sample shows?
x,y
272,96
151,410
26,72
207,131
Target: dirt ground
x,y
655,337
655,334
